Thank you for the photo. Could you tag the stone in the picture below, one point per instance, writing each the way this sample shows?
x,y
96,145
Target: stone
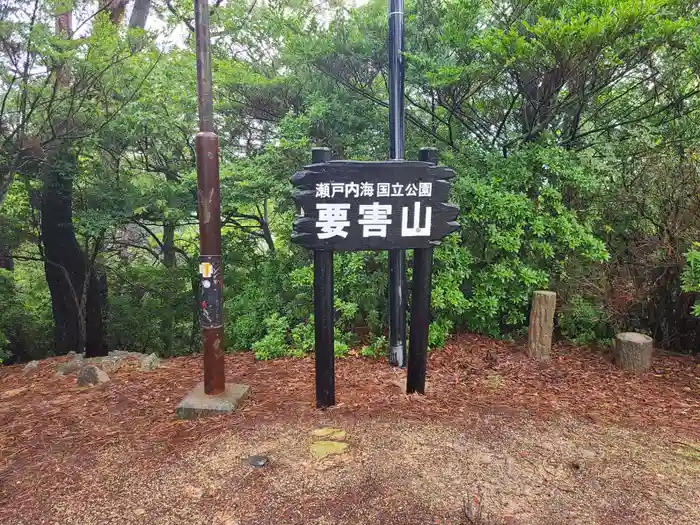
x,y
112,364
329,434
90,375
323,449
257,461
30,368
124,353
139,512
198,404
150,362
67,368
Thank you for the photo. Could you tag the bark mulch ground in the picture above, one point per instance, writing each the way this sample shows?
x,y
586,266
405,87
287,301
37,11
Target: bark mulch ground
x,y
55,436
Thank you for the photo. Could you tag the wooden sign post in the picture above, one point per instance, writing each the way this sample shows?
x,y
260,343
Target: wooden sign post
x,y
358,206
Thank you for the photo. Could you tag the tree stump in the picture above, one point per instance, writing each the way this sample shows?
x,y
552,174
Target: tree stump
x,y
632,351
539,344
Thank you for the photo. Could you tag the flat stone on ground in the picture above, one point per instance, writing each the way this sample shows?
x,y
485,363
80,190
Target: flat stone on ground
x,y
323,449
329,434
198,404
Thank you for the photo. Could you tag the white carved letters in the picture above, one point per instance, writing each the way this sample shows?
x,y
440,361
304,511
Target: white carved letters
x,y
332,219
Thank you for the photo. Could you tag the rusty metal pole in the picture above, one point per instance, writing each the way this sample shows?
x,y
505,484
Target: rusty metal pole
x,y
209,209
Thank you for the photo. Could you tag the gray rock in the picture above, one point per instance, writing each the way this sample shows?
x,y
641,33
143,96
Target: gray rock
x,y
91,375
125,353
30,368
257,461
150,362
111,364
71,366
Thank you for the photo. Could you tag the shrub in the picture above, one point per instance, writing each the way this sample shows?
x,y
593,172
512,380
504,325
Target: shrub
x,y
583,322
690,278
520,230
274,343
377,348
26,326
150,309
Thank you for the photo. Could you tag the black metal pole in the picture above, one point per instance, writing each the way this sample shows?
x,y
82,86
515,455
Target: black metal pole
x,y
397,258
420,306
209,210
323,313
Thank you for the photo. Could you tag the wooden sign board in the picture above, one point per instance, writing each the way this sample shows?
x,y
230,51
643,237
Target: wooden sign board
x,y
356,206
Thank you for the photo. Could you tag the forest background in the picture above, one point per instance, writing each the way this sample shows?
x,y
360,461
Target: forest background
x,y
573,127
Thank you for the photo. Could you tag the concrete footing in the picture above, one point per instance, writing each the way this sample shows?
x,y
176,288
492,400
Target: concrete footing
x,y
198,404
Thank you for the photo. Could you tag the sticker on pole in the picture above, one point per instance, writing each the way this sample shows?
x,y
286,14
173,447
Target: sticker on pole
x,y
356,206
206,270
210,291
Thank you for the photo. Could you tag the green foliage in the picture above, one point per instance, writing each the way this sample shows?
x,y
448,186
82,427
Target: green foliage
x,y
519,231
576,165
274,343
340,347
377,348
256,293
583,322
141,299
439,331
303,337
691,274
25,318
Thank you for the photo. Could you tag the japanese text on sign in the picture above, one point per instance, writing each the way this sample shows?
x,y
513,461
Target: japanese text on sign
x,y
329,190
351,206
374,218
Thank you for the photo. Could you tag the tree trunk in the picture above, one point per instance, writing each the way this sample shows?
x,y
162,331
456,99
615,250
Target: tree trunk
x,y
77,329
139,14
539,343
169,261
76,301
7,262
632,351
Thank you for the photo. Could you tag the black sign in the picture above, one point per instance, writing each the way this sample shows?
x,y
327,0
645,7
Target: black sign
x,y
354,206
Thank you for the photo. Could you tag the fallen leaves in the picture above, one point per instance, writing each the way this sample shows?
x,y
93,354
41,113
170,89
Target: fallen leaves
x,y
13,393
49,424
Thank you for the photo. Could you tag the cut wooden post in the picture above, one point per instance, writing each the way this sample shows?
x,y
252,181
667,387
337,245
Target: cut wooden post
x,y
632,351
539,344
